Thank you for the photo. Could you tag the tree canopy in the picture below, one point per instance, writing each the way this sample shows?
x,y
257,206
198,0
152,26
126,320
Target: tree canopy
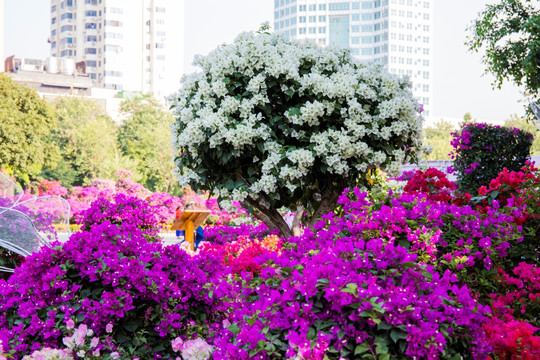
x,y
278,123
145,136
509,34
25,126
87,139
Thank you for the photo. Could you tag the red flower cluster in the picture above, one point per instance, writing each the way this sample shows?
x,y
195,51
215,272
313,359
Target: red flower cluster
x,y
433,183
240,254
518,192
512,340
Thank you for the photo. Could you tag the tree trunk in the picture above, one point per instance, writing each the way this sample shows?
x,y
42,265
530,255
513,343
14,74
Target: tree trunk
x,y
297,221
329,198
273,216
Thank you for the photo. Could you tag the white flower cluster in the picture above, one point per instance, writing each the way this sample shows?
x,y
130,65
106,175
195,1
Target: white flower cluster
x,y
348,116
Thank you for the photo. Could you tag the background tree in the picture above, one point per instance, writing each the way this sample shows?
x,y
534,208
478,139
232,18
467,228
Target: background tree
x,y
145,136
25,126
87,139
523,124
277,123
509,34
439,136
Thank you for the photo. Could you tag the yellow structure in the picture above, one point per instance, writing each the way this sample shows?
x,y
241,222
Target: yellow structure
x,y
189,221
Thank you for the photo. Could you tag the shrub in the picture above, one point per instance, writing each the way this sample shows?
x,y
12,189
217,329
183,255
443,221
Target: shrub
x,y
135,296
123,211
337,294
516,193
481,151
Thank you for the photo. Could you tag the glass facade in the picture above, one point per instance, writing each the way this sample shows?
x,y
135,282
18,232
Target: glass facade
x,y
339,31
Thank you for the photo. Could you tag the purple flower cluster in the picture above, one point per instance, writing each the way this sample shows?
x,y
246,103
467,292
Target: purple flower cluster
x,y
131,293
340,292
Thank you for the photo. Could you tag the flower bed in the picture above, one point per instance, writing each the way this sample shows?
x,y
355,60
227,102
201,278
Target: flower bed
x,y
427,273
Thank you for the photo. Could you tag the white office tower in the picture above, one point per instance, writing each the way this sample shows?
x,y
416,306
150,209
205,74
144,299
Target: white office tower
x,y
125,43
395,33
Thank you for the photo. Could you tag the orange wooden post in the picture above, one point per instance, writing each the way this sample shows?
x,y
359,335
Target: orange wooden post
x,y
189,234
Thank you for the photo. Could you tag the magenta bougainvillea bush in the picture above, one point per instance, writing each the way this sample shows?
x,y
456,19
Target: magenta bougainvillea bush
x,y
134,296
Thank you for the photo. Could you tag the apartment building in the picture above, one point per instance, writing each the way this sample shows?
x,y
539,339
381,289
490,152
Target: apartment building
x,y
398,34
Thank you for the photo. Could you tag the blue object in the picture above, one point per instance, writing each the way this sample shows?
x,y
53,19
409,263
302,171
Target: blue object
x,y
199,236
180,233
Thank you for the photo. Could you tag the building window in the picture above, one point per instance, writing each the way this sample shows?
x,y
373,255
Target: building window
x,y
338,6
322,7
113,23
53,32
301,30
53,8
90,51
425,88
355,40
377,38
160,45
339,31
355,5
109,35
90,26
312,19
53,44
355,17
113,48
355,52
160,9
312,7
301,19
90,13
322,30
301,7
91,2
66,28
160,57
53,21
322,18
66,53
367,4
367,28
367,39
312,30
91,63
367,16
355,28
91,38
66,16
112,73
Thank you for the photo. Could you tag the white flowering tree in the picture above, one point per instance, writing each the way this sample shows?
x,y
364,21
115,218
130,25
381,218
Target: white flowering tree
x,y
274,123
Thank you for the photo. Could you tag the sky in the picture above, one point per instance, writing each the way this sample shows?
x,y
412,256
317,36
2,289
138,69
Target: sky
x,y
460,85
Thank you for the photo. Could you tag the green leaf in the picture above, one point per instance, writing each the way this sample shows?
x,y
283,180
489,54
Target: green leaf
x,y
361,348
396,335
131,325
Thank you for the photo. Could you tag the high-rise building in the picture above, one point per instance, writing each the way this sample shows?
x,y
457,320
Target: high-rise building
x,y
124,43
397,34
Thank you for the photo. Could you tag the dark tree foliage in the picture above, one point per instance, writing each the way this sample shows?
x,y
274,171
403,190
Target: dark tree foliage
x,y
509,34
